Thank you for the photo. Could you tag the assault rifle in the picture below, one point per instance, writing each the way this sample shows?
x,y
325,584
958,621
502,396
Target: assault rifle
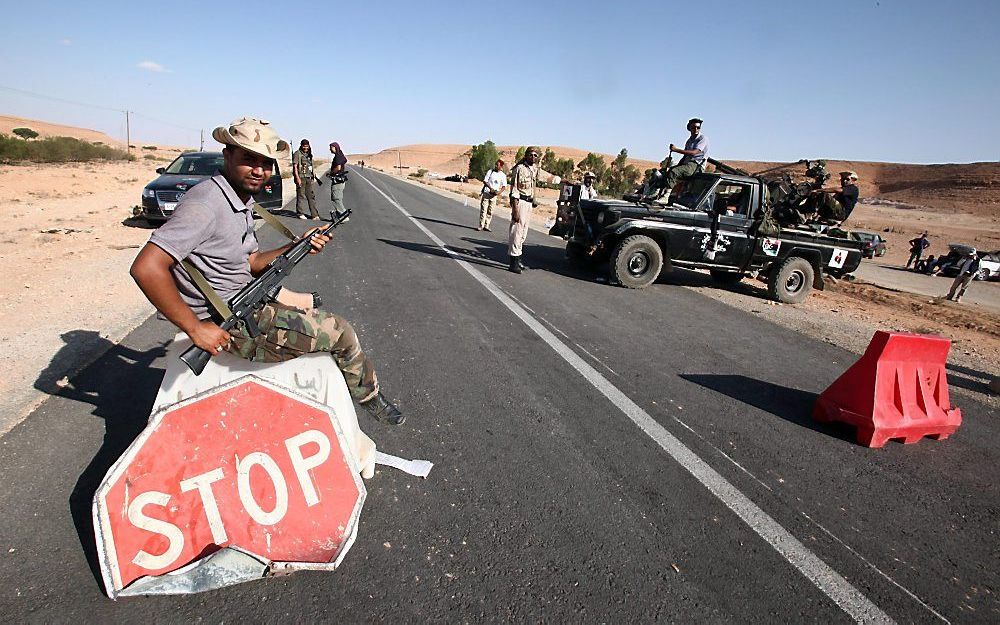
x,y
260,291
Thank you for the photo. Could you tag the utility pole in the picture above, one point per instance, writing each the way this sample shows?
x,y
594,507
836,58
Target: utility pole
x,y
202,148
399,163
128,136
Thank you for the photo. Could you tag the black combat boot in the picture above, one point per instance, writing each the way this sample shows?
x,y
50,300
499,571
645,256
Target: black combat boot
x,y
515,264
382,410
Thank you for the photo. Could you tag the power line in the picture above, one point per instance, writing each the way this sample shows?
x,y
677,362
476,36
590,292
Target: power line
x,y
96,106
63,100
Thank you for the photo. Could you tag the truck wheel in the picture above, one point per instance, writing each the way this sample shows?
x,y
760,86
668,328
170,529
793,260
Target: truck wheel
x,y
725,277
791,281
637,261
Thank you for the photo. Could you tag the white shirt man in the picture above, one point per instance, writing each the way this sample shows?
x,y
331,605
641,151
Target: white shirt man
x,y
587,190
494,182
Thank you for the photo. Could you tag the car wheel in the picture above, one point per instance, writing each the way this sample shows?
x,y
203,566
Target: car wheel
x,y
983,274
725,277
637,261
791,281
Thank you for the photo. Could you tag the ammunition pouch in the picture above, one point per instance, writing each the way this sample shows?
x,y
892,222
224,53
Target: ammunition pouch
x,y
338,178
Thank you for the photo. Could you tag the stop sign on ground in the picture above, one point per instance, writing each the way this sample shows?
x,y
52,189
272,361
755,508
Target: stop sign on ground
x,y
248,464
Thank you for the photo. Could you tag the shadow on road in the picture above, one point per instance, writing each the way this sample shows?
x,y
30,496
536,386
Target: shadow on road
x,y
121,386
792,405
971,379
446,223
469,256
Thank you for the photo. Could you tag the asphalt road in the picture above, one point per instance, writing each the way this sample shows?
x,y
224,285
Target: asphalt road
x,y
601,455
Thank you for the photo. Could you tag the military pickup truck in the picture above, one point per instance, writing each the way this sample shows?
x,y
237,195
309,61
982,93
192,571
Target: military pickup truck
x,y
718,222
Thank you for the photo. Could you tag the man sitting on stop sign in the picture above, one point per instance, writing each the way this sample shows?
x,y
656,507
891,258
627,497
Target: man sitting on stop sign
x,y
213,229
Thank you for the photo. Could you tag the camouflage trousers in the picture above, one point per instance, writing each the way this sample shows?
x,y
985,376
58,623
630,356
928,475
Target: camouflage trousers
x,y
287,333
306,192
519,229
487,203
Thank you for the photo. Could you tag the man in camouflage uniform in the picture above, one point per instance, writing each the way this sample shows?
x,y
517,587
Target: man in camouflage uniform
x,y
213,230
522,202
302,171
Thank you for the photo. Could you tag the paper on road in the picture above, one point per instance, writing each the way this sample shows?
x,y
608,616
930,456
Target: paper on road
x,y
419,468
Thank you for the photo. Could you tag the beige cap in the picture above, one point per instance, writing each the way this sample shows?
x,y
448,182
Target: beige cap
x,y
255,135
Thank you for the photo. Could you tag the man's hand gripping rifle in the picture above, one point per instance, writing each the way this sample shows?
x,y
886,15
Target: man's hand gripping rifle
x,y
260,291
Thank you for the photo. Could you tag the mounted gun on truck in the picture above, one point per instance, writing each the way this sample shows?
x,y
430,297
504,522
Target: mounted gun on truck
x,y
723,221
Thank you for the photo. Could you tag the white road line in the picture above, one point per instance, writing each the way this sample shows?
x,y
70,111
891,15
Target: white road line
x,y
831,583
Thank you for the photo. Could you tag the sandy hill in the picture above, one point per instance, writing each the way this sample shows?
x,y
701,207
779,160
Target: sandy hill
x,y
971,188
48,129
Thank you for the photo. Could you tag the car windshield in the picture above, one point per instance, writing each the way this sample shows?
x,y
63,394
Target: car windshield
x,y
200,165
863,236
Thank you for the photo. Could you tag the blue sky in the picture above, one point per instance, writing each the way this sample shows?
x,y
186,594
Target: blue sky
x,y
887,80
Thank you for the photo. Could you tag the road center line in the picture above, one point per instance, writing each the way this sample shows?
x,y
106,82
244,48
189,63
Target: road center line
x,y
831,583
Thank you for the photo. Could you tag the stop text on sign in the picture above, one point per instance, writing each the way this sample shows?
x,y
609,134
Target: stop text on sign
x,y
204,484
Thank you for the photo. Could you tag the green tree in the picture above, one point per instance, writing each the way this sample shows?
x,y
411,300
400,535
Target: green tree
x,y
595,163
482,158
25,133
622,177
520,154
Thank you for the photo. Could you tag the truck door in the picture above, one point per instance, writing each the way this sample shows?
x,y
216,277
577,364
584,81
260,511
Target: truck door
x,y
731,200
732,203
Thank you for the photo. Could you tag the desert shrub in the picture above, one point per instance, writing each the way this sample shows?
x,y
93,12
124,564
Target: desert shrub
x,y
25,133
149,147
482,159
419,173
56,150
151,157
188,151
97,143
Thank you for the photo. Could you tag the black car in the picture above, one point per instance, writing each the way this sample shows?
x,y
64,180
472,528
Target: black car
x,y
872,244
160,197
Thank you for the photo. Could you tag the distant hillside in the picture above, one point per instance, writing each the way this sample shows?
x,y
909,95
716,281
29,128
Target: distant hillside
x,y
972,188
48,129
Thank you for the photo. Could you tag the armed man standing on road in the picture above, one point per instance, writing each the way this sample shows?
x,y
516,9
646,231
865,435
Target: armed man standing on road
x,y
302,171
494,182
522,201
338,179
213,230
968,267
693,159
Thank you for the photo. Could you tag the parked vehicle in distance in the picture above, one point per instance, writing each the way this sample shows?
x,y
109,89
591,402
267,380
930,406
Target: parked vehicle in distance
x,y
872,244
989,263
160,197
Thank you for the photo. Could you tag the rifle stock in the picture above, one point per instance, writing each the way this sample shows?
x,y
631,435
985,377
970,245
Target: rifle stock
x,y
258,292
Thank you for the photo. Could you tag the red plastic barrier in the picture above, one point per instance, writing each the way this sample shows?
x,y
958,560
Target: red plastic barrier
x,y
897,390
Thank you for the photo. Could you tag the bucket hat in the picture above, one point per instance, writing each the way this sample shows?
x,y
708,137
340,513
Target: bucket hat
x,y
255,135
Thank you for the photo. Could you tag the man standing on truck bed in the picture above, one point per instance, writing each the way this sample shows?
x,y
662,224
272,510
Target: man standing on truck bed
x,y
694,156
522,201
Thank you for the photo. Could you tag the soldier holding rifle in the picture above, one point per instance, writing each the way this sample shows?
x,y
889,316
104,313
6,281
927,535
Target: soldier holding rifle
x,y
213,231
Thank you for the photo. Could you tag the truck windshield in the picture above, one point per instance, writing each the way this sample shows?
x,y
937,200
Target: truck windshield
x,y
694,189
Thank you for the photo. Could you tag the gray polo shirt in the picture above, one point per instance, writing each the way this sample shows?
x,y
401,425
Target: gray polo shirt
x,y
699,142
214,231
